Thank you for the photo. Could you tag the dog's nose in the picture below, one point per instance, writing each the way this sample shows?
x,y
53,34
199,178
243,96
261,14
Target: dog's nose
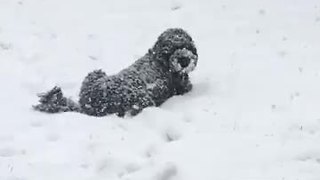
x,y
184,62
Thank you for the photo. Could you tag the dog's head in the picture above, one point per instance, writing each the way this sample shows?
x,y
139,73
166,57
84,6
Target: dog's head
x,y
176,50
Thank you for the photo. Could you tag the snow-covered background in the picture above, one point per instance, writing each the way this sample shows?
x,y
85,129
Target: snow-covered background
x,y
254,112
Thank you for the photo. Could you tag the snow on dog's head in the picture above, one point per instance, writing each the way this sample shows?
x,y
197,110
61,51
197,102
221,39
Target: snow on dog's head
x,y
171,40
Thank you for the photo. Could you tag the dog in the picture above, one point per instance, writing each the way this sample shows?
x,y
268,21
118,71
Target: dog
x,y
160,74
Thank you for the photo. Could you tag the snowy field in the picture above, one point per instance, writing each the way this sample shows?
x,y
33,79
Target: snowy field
x,y
253,113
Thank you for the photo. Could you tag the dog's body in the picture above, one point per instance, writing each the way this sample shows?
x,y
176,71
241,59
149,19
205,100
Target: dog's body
x,y
151,80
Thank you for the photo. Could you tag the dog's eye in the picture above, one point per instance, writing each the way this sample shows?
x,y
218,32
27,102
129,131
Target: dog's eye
x,y
184,62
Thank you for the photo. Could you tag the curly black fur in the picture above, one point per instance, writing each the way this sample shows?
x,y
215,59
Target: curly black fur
x,y
158,75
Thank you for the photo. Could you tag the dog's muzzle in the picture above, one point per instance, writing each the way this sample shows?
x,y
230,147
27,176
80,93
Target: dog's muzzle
x,y
183,60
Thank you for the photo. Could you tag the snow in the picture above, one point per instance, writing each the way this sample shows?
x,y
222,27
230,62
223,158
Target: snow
x,y
253,112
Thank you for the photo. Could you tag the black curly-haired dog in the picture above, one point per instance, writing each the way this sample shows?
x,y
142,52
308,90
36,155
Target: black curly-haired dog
x,y
151,80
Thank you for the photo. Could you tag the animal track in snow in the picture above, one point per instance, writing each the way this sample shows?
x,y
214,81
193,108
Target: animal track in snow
x,y
307,157
128,169
172,134
52,137
36,124
169,171
10,152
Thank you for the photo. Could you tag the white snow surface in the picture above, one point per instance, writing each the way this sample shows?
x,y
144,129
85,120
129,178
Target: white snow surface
x,y
254,112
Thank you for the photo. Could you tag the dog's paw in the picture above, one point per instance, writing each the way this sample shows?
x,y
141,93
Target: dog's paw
x,y
181,83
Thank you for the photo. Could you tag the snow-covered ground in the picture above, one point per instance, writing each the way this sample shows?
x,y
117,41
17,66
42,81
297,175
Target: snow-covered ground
x,y
253,113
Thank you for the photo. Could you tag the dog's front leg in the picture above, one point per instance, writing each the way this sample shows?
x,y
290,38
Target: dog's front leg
x,y
183,84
